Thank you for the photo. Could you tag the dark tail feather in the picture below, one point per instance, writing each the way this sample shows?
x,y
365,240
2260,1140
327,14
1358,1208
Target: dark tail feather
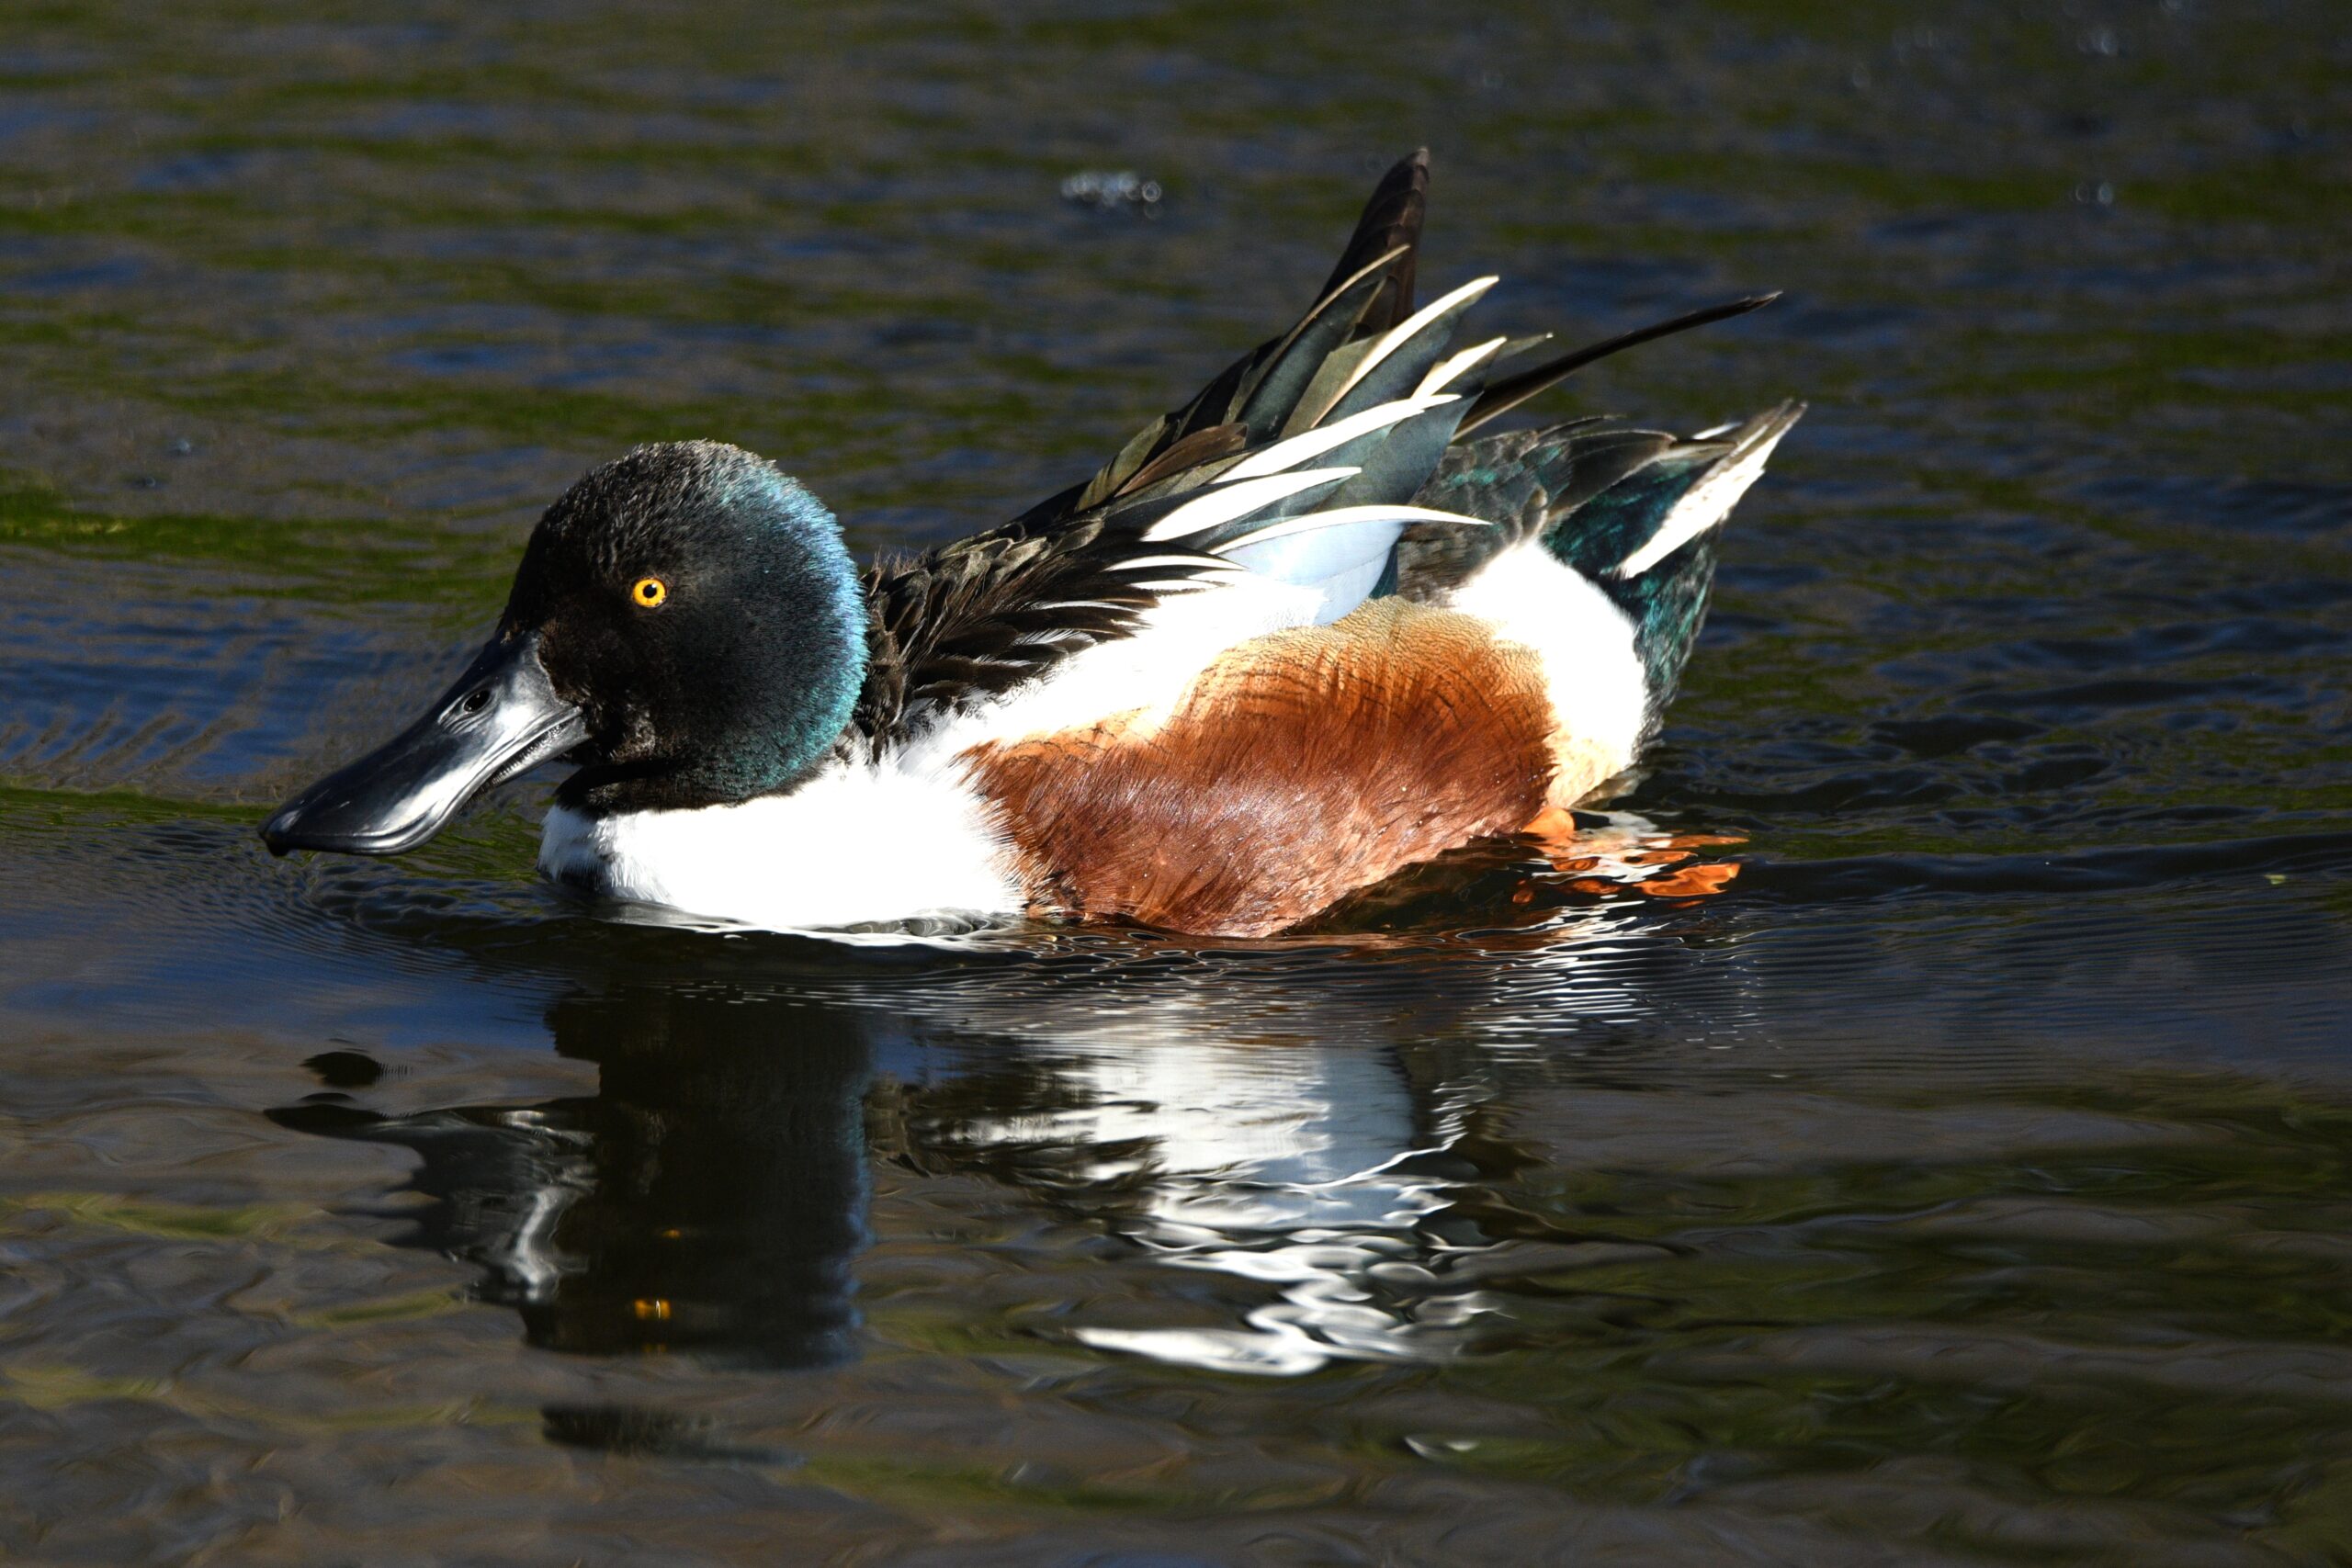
x,y
1506,394
1391,222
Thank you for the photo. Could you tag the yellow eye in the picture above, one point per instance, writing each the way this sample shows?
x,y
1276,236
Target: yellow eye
x,y
649,591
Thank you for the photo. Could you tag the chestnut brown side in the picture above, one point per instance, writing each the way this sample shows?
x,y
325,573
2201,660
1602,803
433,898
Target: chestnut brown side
x,y
1300,766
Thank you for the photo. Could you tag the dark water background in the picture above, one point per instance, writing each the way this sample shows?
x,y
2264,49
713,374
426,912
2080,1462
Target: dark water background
x,y
1967,1183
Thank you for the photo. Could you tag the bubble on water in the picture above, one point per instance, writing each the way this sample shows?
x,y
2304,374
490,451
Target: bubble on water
x,y
1106,189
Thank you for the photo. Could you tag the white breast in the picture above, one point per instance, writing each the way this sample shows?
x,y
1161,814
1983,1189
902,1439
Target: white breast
x,y
850,846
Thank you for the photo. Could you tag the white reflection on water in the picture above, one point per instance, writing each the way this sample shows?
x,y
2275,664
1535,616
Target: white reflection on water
x,y
562,1169
1282,1170
1243,1143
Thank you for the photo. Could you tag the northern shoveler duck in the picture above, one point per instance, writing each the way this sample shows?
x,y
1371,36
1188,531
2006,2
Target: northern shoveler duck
x,y
1302,632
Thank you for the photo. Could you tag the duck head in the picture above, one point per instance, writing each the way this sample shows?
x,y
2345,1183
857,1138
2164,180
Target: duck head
x,y
686,626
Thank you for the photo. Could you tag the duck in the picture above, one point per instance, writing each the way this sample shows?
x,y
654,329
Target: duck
x,y
1313,626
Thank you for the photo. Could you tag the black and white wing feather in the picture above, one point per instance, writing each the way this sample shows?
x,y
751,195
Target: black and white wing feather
x,y
1301,463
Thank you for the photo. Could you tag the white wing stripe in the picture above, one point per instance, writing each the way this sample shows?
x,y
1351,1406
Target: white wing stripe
x,y
1339,516
1138,563
1314,442
1222,504
1404,330
1204,580
1445,370
1708,503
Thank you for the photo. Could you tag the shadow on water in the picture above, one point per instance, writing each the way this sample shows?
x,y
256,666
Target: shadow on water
x,y
709,1197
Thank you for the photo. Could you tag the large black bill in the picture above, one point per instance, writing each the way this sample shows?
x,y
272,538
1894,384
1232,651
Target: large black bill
x,y
502,716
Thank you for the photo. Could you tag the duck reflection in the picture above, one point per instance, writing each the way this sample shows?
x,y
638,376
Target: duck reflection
x,y
1299,1167
710,1196
1295,1121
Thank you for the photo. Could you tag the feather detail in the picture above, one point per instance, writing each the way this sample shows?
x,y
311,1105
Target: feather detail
x,y
1296,449
1346,516
1201,448
1446,371
1370,290
1438,312
1507,394
1707,502
1226,503
1271,400
1326,464
1143,563
1188,584
1390,228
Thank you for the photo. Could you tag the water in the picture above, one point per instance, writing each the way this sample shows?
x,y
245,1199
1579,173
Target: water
x,y
1964,1182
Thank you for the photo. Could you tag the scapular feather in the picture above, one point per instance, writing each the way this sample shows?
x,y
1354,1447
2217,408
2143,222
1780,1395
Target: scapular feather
x,y
1272,402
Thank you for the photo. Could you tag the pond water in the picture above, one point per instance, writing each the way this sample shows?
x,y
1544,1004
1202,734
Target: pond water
x,y
1964,1182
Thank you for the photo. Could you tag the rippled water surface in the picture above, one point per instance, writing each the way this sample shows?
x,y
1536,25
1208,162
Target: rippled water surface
x,y
1965,1181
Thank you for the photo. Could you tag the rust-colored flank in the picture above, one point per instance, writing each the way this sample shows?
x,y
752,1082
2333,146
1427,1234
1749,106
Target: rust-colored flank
x,y
1298,767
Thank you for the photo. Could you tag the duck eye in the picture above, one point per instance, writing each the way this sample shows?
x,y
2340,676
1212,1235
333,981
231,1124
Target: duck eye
x,y
648,593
